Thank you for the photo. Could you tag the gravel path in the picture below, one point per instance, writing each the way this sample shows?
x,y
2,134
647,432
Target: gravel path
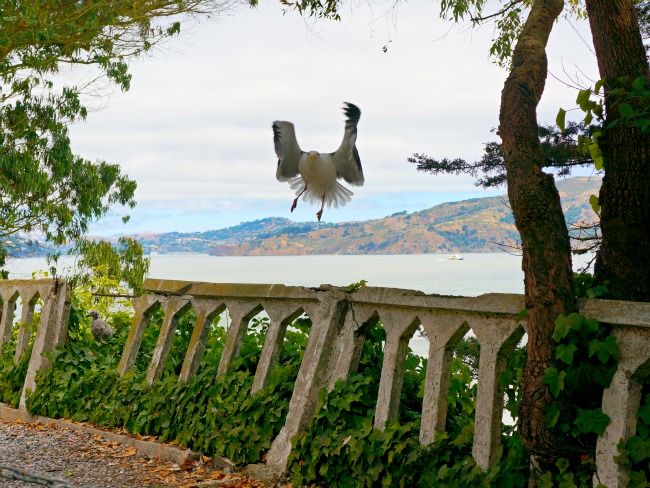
x,y
84,459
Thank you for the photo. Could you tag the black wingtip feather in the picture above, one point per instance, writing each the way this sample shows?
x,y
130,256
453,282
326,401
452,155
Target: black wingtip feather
x,y
351,111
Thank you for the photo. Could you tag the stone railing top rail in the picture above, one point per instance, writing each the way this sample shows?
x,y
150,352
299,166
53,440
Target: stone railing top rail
x,y
608,311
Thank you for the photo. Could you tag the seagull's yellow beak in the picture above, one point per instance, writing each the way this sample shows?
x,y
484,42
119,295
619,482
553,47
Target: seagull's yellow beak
x,y
312,156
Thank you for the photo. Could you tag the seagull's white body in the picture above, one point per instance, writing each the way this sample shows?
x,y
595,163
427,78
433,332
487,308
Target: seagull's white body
x,y
314,175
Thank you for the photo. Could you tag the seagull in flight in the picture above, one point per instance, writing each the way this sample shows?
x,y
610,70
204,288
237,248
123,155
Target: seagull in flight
x,y
315,174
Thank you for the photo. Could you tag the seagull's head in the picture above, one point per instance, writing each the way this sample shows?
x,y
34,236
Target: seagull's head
x,y
313,155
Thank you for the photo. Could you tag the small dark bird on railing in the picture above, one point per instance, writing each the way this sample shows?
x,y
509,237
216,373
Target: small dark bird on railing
x,y
99,328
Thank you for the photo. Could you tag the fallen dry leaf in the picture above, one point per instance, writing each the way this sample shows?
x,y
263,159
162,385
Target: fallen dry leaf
x,y
131,451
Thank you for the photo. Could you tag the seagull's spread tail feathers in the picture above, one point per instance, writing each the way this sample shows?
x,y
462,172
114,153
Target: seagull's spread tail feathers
x,y
336,196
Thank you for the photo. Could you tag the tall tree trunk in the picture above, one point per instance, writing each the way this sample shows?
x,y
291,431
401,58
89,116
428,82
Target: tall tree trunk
x,y
538,216
625,192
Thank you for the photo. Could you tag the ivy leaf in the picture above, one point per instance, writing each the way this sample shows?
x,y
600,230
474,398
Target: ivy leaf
x,y
562,327
638,479
560,119
595,203
644,414
562,464
554,379
442,472
638,449
626,110
604,349
545,481
565,352
583,98
596,291
594,151
566,481
639,83
552,415
591,421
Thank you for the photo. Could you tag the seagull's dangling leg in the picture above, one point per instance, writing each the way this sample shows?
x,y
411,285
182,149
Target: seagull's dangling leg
x,y
319,214
295,202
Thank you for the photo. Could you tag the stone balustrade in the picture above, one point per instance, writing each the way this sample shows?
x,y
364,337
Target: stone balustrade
x,y
340,320
51,328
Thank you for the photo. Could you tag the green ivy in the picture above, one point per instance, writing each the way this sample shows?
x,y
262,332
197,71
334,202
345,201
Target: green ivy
x,y
587,358
216,416
12,375
634,454
341,447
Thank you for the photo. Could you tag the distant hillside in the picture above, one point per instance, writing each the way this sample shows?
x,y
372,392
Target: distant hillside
x,y
476,225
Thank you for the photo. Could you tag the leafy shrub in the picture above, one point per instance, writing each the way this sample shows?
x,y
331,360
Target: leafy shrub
x,y
12,375
634,454
217,416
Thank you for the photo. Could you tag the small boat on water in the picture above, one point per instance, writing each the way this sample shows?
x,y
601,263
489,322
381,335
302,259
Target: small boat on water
x,y
456,257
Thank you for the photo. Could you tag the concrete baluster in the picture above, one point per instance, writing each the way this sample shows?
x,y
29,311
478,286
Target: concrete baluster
x,y
241,313
621,403
313,375
27,316
206,310
174,308
144,305
350,342
281,316
8,312
51,332
400,327
444,332
497,338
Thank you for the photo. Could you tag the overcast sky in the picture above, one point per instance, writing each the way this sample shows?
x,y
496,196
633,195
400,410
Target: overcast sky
x,y
195,128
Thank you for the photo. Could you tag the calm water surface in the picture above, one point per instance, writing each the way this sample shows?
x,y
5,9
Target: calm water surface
x,y
477,273
430,273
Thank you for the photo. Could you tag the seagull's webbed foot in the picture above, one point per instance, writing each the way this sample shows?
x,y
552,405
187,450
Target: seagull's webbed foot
x,y
319,214
295,202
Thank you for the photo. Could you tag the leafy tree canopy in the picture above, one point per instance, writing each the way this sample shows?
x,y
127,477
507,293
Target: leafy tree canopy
x,y
562,151
45,189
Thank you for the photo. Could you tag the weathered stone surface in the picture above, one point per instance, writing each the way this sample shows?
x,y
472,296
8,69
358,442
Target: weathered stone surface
x,y
400,325
143,305
52,331
241,314
281,315
312,376
267,474
174,308
206,311
621,402
497,338
444,331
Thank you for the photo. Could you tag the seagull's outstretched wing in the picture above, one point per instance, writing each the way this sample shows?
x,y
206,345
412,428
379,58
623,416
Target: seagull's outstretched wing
x,y
287,150
346,158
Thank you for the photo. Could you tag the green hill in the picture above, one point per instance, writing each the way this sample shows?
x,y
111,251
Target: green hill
x,y
476,225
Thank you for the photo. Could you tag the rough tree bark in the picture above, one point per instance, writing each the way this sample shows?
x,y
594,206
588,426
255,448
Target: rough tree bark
x,y
625,192
538,216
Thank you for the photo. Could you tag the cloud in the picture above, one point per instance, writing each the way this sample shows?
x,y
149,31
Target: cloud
x,y
195,129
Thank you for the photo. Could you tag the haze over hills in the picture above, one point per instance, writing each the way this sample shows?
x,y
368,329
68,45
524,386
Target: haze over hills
x,y
476,225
